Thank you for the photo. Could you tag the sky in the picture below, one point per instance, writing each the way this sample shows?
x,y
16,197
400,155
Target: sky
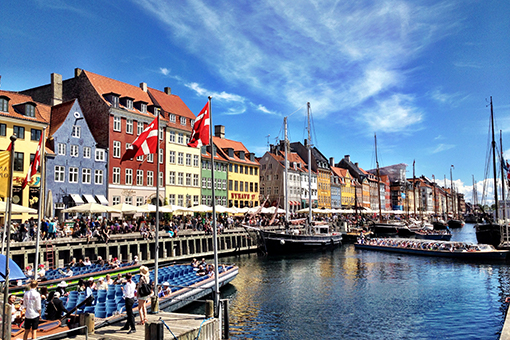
x,y
419,74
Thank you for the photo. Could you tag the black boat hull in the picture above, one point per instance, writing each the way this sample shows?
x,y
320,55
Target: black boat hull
x,y
455,224
488,233
276,243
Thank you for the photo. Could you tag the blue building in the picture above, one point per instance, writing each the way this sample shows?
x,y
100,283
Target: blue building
x,y
76,170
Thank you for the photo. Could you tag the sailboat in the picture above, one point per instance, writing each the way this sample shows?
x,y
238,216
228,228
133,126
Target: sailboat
x,y
454,222
489,232
315,236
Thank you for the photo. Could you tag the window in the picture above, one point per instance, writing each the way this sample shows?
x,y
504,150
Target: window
x,y
19,131
241,168
188,159
180,178
195,200
195,180
3,129
98,177
129,176
230,184
116,124
180,138
139,158
256,186
115,200
251,170
18,161
171,199
76,131
161,133
139,177
29,110
188,180
4,105
150,158
116,176
204,182
171,159
195,160
246,186
209,183
114,100
86,152
100,155
256,171
171,178
139,128
241,186
150,178
143,107
86,175
74,150
224,186
236,186
129,126
161,178
116,149
128,200
183,120
180,200
251,187
171,138
59,173
73,175
180,158
139,201
235,168
35,134
61,149
161,154
171,117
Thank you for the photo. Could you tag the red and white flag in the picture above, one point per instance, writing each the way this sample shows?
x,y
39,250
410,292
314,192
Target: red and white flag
x,y
35,163
200,134
144,144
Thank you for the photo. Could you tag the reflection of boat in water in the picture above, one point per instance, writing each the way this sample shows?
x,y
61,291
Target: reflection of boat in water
x,y
109,307
459,250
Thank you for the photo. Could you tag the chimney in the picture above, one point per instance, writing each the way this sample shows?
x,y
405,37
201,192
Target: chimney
x,y
143,86
356,164
77,72
56,89
219,131
347,158
168,90
306,142
331,161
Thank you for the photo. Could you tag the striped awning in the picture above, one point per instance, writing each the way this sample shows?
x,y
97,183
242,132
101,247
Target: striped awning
x,y
102,199
77,199
89,198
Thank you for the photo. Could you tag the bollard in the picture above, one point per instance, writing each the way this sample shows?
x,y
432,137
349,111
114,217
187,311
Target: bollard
x,y
88,320
209,309
225,314
155,304
154,331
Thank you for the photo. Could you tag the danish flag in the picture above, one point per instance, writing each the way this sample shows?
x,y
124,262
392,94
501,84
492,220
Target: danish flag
x,y
201,128
144,144
35,163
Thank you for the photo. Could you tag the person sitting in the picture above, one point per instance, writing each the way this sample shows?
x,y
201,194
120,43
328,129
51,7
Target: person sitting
x,y
210,270
61,288
92,283
41,273
100,261
119,280
87,262
201,271
28,271
194,264
80,263
166,291
55,308
108,280
68,272
101,284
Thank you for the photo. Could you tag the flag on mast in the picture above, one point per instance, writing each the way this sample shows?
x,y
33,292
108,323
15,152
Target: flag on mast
x,y
35,164
144,144
201,128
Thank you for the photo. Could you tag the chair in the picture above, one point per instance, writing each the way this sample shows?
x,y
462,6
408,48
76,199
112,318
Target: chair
x,y
89,309
110,311
101,314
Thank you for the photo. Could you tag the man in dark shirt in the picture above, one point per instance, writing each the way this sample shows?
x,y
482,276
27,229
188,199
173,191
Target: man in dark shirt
x,y
55,308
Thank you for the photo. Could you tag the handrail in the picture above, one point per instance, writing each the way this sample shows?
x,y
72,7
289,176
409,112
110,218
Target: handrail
x,y
51,336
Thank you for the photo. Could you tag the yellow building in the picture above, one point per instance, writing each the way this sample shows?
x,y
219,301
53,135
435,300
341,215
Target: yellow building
x,y
348,188
25,118
243,171
324,188
182,166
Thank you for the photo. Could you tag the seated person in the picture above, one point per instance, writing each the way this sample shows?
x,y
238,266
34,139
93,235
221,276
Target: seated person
x,y
166,289
55,308
201,270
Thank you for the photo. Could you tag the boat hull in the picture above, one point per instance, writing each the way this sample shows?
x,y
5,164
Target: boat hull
x,y
391,229
276,243
497,255
425,236
488,233
455,224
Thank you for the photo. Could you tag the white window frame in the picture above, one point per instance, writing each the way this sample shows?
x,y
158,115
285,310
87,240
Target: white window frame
x,y
128,176
180,178
87,151
73,174
180,158
76,132
116,149
171,137
129,126
100,155
62,149
171,177
195,161
188,179
183,121
139,177
195,180
171,158
74,150
86,176
171,118
139,128
150,178
116,124
188,159
115,200
139,201
60,173
98,177
180,138
116,175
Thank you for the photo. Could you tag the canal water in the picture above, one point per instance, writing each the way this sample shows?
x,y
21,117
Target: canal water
x,y
360,294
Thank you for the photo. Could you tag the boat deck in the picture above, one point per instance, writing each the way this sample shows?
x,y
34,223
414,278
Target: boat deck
x,y
182,326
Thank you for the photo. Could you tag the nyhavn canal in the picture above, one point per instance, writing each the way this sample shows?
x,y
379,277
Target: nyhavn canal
x,y
349,294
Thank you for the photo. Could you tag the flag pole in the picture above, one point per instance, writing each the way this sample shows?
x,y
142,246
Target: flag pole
x,y
155,308
40,215
215,230
5,331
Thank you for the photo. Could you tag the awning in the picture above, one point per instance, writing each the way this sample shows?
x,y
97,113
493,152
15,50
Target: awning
x,y
15,272
102,199
77,199
89,198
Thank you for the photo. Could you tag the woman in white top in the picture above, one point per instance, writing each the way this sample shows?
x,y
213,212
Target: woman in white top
x,y
142,300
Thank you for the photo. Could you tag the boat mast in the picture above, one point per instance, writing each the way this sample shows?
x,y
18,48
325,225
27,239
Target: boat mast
x,y
286,182
414,189
494,164
309,146
378,180
435,202
446,196
502,176
454,211
475,193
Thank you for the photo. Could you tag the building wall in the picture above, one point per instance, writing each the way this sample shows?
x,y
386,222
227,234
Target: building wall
x,y
324,188
348,192
220,177
242,198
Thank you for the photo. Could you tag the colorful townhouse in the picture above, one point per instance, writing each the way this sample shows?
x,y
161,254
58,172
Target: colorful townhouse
x,y
116,113
347,186
220,176
76,169
243,171
183,168
363,197
26,118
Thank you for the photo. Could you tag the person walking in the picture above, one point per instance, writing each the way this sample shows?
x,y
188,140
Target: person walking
x,y
129,298
142,299
32,303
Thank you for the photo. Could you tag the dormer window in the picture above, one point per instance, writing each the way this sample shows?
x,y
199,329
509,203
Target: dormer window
x,y
29,110
114,100
4,104
127,102
141,106
156,111
171,117
183,121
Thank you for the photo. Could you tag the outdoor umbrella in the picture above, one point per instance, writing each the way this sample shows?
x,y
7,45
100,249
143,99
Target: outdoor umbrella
x,y
176,208
221,209
89,208
125,208
17,209
48,211
201,208
15,272
272,210
152,208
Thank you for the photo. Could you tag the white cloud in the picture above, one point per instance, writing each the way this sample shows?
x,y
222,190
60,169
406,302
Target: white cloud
x,y
164,70
452,99
442,147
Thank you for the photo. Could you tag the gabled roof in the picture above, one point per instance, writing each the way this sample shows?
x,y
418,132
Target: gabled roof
x,y
59,114
225,144
171,103
340,172
220,155
42,111
104,85
291,158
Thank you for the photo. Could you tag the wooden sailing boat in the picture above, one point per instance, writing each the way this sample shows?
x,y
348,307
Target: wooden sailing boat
x,y
315,236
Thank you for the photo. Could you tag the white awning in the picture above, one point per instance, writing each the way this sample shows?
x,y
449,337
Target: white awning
x,y
89,198
77,199
102,199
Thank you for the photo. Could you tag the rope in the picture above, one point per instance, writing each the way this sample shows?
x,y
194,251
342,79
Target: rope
x,y
164,323
200,328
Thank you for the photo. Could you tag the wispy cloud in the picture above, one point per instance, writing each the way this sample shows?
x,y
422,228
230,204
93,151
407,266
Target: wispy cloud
x,y
468,64
342,56
442,147
452,99
164,70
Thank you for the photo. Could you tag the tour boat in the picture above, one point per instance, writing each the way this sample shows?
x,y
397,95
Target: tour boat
x,y
458,250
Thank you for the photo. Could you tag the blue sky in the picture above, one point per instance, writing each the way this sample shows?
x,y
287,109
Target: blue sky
x,y
417,73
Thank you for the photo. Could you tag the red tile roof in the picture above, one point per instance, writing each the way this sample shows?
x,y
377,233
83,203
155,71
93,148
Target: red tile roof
x,y
225,144
59,114
42,111
171,103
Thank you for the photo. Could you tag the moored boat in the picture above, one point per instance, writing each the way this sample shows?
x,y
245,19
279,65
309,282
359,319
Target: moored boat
x,y
458,250
424,234
454,223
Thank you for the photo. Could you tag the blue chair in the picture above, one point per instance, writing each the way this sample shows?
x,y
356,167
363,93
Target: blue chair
x,y
89,309
101,314
110,311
